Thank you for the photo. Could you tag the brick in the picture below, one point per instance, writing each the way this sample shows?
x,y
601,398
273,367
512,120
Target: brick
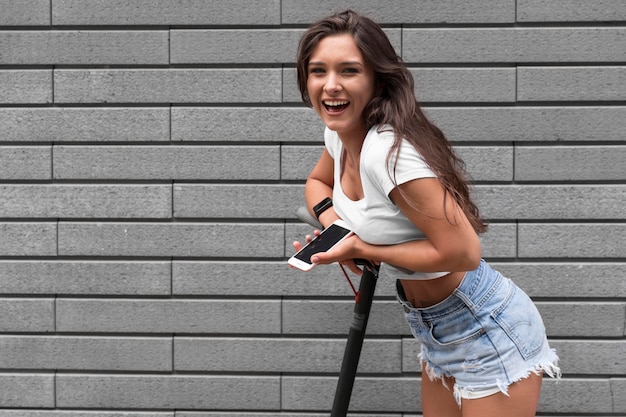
x,y
25,86
168,392
454,85
171,239
234,46
250,85
370,394
164,12
618,386
599,240
551,202
565,279
27,390
583,319
24,13
281,355
236,201
404,11
571,83
167,162
86,353
84,47
246,124
224,278
28,239
84,124
86,201
522,45
25,162
531,124
85,277
458,85
569,163
576,358
168,316
78,413
570,11
26,315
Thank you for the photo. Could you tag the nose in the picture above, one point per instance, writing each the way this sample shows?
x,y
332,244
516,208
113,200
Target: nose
x,y
332,83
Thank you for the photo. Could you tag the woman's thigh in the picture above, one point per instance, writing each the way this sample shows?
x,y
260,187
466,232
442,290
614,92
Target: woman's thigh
x,y
521,401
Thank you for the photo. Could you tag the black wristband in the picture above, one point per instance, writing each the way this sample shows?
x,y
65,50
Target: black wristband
x,y
322,206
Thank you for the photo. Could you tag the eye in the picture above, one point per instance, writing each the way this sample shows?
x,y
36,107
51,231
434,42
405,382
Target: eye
x,y
316,70
351,70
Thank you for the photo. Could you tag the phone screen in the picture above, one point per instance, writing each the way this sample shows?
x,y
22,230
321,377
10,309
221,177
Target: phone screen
x,y
329,237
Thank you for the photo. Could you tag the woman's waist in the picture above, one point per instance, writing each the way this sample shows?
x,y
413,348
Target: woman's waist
x,y
427,293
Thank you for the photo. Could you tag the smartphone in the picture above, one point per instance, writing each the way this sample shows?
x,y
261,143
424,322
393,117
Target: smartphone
x,y
325,241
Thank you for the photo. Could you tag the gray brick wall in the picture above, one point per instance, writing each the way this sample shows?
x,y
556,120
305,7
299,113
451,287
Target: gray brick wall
x,y
153,154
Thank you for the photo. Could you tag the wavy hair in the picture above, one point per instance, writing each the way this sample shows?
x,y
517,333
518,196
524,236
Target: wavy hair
x,y
394,103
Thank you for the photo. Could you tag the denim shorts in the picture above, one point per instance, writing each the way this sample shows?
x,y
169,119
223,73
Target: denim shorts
x,y
487,335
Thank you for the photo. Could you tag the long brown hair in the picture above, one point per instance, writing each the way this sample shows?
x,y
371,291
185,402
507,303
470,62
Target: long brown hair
x,y
394,103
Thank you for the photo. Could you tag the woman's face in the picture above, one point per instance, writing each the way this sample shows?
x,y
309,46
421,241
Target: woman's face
x,y
340,84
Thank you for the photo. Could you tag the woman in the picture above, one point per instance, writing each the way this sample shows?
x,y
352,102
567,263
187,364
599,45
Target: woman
x,y
392,175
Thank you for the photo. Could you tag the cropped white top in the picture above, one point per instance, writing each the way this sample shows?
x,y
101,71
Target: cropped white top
x,y
374,218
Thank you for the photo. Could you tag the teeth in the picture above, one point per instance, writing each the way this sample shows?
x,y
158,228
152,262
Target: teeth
x,y
335,103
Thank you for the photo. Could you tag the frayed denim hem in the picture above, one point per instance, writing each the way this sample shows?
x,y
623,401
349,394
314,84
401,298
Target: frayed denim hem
x,y
434,373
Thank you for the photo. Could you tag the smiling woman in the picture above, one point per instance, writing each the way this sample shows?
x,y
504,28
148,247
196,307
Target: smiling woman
x,y
396,181
340,85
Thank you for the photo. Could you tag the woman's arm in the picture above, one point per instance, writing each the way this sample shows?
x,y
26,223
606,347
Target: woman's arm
x,y
319,185
451,244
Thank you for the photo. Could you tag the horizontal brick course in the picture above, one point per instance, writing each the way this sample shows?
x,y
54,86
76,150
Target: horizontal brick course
x,y
168,316
599,240
571,83
164,12
166,162
85,277
404,11
569,163
85,47
86,201
256,85
246,124
170,239
59,124
570,11
554,202
86,353
176,392
523,45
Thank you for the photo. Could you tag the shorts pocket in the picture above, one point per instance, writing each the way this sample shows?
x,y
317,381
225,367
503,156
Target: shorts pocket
x,y
519,318
454,329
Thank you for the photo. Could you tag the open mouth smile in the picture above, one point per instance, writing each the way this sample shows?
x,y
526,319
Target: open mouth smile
x,y
334,106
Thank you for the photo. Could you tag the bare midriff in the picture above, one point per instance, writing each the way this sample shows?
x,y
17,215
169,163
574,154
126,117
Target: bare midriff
x,y
426,293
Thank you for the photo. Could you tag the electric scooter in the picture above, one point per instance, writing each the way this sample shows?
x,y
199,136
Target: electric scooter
x,y
362,306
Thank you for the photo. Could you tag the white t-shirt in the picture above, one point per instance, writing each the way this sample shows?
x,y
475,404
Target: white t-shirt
x,y
375,219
